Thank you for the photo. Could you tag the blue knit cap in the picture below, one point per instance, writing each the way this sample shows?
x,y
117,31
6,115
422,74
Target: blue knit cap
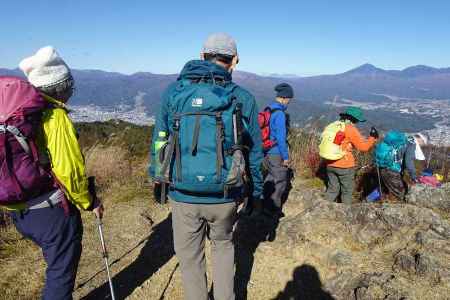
x,y
284,90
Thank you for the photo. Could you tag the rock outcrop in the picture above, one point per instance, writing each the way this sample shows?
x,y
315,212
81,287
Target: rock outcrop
x,y
366,251
426,196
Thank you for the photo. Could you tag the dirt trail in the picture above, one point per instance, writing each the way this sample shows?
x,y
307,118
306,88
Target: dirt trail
x,y
150,270
138,235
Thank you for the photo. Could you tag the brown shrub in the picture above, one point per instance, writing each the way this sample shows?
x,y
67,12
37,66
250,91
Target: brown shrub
x,y
110,165
120,175
304,148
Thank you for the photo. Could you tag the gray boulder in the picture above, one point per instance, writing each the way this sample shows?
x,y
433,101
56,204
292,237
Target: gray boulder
x,y
372,251
427,196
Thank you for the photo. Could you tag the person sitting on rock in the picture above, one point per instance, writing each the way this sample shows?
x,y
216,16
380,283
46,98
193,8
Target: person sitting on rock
x,y
395,154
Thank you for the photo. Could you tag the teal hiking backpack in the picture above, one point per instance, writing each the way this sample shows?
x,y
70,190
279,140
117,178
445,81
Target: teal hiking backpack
x,y
203,154
389,153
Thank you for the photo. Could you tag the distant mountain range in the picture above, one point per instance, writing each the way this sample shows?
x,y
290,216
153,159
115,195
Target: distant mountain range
x,y
364,83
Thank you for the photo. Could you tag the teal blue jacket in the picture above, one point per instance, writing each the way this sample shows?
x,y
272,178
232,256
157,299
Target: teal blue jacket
x,y
194,70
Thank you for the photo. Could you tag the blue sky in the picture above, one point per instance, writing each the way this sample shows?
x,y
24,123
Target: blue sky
x,y
285,37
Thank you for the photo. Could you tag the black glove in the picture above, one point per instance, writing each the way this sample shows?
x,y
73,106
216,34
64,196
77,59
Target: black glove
x,y
374,133
93,192
157,191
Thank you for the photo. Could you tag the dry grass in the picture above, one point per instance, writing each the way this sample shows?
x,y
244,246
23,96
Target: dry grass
x,y
109,165
117,173
304,148
22,267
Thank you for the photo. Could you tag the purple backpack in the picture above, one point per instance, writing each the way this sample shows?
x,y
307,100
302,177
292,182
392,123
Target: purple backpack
x,y
21,175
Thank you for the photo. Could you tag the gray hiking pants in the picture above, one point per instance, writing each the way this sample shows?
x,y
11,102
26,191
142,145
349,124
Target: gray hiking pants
x,y
276,181
340,181
192,223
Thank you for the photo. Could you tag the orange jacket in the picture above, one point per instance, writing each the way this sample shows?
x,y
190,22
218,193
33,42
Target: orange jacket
x,y
353,139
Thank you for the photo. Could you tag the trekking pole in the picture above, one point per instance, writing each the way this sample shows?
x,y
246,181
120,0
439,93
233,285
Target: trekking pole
x,y
93,191
379,182
105,256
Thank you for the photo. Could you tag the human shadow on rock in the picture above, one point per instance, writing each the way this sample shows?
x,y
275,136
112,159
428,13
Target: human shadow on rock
x,y
368,181
250,231
157,251
273,213
305,285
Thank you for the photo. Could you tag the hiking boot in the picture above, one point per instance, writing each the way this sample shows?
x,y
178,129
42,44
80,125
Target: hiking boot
x,y
271,235
279,214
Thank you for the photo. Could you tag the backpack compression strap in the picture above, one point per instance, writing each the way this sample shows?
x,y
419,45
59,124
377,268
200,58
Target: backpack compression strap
x,y
219,145
174,149
238,125
173,139
176,141
196,135
21,139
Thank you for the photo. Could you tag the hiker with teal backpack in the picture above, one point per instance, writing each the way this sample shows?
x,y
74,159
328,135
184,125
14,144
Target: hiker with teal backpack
x,y
206,127
396,153
42,171
337,143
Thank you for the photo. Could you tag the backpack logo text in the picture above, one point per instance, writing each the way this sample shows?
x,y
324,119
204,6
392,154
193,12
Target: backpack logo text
x,y
197,102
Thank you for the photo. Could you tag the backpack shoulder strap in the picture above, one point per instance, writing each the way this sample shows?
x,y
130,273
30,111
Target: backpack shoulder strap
x,y
181,84
273,110
231,86
15,183
21,139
